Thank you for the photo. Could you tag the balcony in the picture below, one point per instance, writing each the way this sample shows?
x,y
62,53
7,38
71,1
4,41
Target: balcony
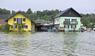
x,y
74,22
70,22
67,22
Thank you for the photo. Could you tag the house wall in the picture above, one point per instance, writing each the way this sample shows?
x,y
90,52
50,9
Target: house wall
x,y
26,22
60,21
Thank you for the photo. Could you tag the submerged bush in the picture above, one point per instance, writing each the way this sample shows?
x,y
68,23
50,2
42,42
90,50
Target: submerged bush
x,y
5,28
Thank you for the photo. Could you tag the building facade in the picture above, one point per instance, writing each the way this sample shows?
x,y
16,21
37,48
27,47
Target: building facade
x,y
68,20
19,22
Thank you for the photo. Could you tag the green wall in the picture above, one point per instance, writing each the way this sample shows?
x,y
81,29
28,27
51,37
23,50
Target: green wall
x,y
60,21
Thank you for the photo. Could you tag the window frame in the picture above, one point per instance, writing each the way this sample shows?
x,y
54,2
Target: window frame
x,y
24,19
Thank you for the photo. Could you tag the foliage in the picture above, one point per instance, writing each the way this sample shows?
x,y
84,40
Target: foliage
x,y
5,28
13,12
88,20
4,11
29,11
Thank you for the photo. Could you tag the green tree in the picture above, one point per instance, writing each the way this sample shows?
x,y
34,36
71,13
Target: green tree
x,y
5,28
13,12
29,11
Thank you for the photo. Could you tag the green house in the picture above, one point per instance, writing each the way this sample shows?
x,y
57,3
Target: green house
x,y
68,20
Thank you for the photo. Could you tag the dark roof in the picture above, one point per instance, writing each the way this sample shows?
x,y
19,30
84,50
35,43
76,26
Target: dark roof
x,y
41,21
4,16
70,12
19,12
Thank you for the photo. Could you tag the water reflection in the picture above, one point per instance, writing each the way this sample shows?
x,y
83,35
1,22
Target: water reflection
x,y
19,44
70,43
48,44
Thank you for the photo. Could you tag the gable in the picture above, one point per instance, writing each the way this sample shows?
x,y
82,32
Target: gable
x,y
19,16
70,13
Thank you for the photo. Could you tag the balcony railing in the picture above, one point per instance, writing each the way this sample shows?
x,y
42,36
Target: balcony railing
x,y
74,22
70,22
67,22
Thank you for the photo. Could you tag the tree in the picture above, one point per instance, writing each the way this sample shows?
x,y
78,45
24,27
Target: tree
x,y
5,28
4,11
13,12
29,11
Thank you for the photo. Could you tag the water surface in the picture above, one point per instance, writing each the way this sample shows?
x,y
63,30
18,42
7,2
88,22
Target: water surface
x,y
48,44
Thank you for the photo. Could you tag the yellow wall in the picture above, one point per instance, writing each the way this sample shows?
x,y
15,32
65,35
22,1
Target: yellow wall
x,y
27,22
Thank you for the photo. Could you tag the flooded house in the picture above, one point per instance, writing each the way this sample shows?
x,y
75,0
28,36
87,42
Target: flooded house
x,y
20,22
43,25
68,20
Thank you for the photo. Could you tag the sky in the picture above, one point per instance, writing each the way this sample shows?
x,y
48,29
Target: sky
x,y
82,6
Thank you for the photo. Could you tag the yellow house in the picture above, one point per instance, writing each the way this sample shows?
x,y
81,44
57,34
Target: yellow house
x,y
20,22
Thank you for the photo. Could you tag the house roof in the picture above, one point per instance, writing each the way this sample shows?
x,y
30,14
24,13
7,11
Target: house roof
x,y
4,16
19,12
42,22
70,12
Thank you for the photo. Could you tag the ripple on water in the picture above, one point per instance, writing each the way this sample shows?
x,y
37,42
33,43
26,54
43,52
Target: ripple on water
x,y
48,44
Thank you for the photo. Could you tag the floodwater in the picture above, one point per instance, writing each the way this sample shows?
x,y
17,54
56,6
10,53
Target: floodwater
x,y
48,44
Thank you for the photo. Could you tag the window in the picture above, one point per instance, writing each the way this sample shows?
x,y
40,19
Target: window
x,y
11,26
15,26
67,21
19,20
24,19
26,26
74,20
14,19
66,26
73,26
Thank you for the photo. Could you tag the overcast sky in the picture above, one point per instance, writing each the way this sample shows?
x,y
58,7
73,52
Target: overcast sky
x,y
82,6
